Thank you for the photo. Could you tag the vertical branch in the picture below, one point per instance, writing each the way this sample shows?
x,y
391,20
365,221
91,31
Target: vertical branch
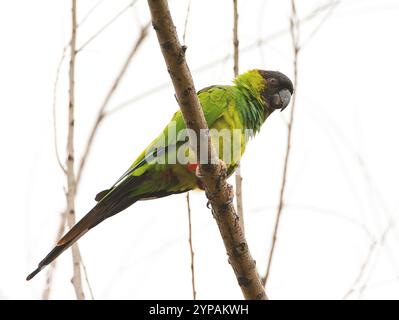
x,y
186,22
238,176
76,278
190,234
190,241
86,277
235,37
99,118
213,172
57,154
294,31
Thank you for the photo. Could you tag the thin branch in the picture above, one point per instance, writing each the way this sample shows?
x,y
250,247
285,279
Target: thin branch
x,y
186,22
76,278
238,177
362,270
295,44
86,277
57,76
332,6
101,112
190,241
105,26
373,246
61,229
190,236
235,37
88,14
213,172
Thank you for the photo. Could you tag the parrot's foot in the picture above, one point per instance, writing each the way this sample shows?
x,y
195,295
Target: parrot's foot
x,y
198,173
220,180
230,194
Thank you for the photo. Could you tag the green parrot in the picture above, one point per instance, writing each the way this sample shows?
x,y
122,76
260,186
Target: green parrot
x,y
242,107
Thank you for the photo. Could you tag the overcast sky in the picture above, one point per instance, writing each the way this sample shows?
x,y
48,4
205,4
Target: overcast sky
x,y
342,187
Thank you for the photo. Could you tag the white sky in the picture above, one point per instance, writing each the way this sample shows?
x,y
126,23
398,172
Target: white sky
x,y
343,175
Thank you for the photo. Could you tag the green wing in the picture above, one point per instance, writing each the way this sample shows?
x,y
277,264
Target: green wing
x,y
214,100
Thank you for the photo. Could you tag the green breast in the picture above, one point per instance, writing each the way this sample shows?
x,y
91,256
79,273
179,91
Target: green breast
x,y
227,135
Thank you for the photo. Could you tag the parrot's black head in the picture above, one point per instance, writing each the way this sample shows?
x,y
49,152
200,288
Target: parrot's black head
x,y
278,89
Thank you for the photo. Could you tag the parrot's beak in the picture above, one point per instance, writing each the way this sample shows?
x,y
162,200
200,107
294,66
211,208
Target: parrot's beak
x,y
281,99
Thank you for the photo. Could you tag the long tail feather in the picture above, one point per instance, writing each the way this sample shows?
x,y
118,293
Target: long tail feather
x,y
58,249
117,200
89,221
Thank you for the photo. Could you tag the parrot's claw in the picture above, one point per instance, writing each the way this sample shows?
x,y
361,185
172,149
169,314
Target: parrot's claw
x,y
230,194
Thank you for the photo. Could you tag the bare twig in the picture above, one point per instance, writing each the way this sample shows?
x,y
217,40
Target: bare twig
x,y
105,26
190,234
190,241
76,278
57,76
86,277
373,246
333,4
295,44
61,229
186,22
235,37
88,14
213,173
101,112
362,268
238,177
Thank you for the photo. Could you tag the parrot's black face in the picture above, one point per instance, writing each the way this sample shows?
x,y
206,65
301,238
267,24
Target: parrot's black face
x,y
278,91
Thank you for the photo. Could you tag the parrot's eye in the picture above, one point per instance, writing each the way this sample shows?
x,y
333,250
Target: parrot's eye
x,y
273,82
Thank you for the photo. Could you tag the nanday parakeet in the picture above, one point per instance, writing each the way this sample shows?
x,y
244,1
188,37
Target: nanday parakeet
x,y
244,105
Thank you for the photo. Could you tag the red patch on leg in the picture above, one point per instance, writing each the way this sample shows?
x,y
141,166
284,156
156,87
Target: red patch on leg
x,y
192,167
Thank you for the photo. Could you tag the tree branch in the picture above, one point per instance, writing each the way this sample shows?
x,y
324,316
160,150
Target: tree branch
x,y
190,235
186,22
213,173
105,26
99,118
76,278
190,241
235,37
57,154
294,30
372,248
238,180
